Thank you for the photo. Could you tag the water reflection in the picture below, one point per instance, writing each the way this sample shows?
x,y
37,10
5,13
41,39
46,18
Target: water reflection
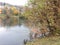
x,y
13,35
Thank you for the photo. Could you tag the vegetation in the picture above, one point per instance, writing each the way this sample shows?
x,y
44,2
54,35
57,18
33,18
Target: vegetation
x,y
46,41
44,14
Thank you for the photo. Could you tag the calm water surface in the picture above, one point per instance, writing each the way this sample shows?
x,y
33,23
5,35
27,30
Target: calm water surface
x,y
13,35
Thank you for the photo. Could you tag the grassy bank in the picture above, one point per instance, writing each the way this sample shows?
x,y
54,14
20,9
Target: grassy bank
x,y
46,41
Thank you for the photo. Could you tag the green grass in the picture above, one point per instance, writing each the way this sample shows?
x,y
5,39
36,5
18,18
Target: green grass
x,y
46,41
2,14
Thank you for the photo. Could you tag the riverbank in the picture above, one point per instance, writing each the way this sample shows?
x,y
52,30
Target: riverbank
x,y
54,40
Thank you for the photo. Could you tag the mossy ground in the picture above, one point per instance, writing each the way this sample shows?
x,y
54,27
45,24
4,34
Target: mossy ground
x,y
54,40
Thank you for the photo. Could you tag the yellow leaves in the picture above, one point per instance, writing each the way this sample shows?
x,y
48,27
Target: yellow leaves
x,y
0,11
15,11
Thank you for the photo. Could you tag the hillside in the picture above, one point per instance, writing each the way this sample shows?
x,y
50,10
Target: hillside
x,y
12,9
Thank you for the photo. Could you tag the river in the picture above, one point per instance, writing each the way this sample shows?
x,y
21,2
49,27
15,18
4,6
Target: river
x,y
14,35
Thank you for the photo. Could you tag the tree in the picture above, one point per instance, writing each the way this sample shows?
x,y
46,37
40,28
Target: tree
x,y
14,10
44,13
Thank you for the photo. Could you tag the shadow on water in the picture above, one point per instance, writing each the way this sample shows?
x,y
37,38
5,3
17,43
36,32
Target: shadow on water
x,y
14,35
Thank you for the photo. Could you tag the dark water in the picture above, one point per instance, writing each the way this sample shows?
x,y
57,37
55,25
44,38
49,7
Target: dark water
x,y
13,35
